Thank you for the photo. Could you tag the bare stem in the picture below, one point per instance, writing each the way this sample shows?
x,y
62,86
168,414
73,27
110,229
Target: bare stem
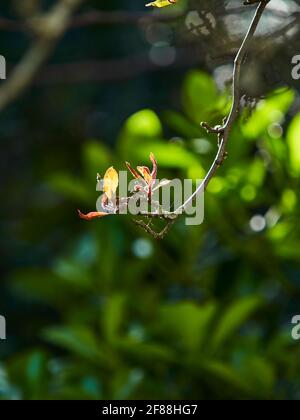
x,y
223,131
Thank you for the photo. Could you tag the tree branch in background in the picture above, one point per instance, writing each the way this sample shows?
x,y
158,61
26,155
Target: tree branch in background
x,y
118,69
126,68
48,29
99,17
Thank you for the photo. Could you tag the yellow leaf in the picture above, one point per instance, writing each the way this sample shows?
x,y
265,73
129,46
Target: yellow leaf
x,y
110,182
145,172
161,3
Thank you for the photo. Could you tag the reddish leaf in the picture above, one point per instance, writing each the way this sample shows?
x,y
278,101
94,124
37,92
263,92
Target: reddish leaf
x,y
133,171
154,163
92,215
145,171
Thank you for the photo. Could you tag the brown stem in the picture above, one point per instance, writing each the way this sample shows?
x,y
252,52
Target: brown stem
x,y
223,131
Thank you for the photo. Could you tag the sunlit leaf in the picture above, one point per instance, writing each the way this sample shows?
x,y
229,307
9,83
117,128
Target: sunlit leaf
x,y
140,128
199,95
145,172
268,111
96,158
111,182
293,139
161,3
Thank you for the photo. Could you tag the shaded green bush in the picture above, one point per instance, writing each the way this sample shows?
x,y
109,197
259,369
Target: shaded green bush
x,y
204,314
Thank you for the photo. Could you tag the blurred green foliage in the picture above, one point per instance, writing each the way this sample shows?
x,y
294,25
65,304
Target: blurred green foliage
x,y
204,314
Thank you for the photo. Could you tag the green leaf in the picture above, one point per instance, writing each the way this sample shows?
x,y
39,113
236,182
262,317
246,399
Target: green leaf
x,y
39,284
30,370
259,375
233,319
36,364
71,187
183,126
140,128
293,139
199,95
268,111
225,374
73,273
256,172
145,352
96,158
144,123
77,339
113,316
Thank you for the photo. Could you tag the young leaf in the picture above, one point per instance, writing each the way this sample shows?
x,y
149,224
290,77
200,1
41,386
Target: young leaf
x,y
111,182
145,172
92,215
161,3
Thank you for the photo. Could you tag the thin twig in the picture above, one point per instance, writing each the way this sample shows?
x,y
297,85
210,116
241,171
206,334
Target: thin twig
x,y
101,71
156,235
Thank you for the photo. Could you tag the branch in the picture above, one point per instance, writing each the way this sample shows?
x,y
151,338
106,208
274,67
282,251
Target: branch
x,y
11,25
156,235
110,70
96,17
223,131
